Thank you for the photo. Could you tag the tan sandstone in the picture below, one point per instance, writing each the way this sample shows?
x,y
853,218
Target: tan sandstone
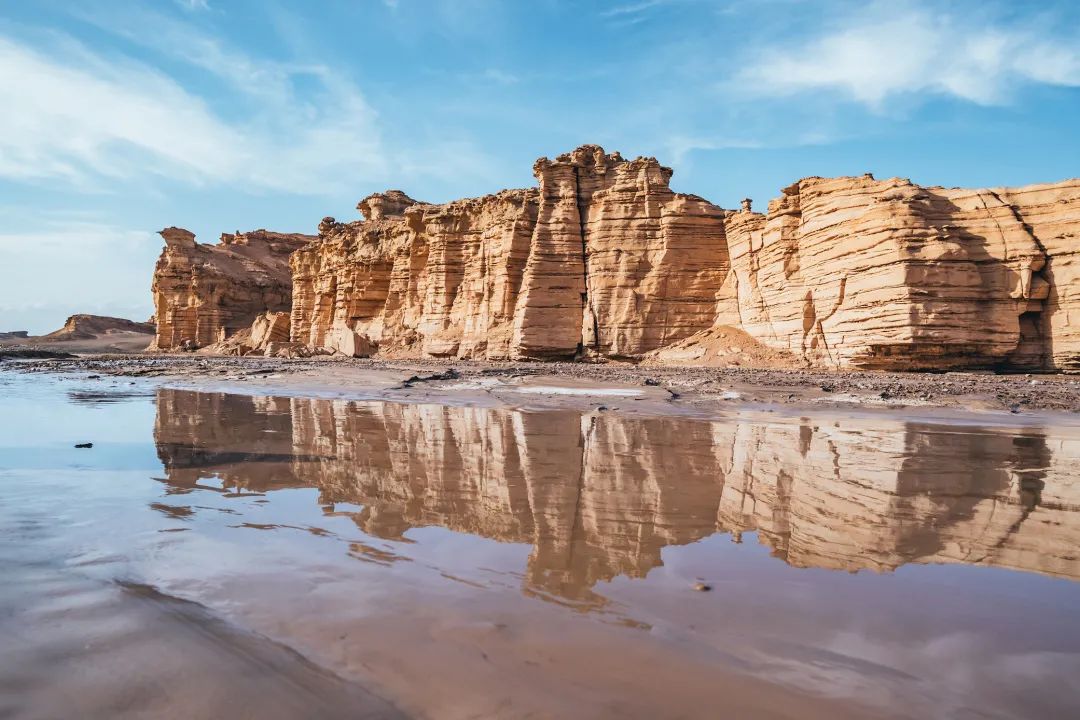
x,y
604,260
205,293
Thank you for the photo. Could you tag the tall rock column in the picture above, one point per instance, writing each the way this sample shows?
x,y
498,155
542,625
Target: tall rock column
x,y
548,319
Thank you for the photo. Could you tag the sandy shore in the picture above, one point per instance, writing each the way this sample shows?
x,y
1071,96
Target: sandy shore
x,y
613,386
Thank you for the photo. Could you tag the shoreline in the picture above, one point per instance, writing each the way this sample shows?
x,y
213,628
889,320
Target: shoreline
x,y
618,387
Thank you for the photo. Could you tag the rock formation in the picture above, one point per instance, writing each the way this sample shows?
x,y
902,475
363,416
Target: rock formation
x,y
599,495
205,293
86,327
603,260
884,273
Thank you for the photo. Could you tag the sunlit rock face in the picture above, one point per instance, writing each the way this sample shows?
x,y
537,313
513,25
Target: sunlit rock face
x,y
205,293
599,496
603,258
884,273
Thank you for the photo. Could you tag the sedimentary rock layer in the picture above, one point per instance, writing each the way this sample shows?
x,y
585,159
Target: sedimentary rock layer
x,y
599,495
602,258
83,327
885,273
205,293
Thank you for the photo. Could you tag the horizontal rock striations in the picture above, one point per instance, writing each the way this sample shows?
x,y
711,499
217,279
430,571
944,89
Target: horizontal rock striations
x,y
602,259
84,327
887,274
205,293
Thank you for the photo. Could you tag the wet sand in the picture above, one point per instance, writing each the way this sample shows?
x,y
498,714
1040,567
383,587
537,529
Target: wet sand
x,y
666,390
223,554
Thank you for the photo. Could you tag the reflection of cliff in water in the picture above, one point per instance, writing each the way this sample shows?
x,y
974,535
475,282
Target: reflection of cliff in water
x,y
599,495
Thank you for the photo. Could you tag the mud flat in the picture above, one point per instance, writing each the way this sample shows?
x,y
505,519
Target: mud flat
x,y
615,385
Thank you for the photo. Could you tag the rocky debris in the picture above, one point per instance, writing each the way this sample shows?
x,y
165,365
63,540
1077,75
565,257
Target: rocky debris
x,y
271,327
204,294
87,327
706,388
449,374
24,352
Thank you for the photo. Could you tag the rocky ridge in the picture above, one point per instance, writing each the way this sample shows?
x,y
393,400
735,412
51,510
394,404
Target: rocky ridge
x,y
604,260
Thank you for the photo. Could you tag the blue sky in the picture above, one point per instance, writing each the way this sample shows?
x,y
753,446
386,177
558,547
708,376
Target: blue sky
x,y
121,118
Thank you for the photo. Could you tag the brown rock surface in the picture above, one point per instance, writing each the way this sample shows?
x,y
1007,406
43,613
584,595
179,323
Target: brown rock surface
x,y
603,258
884,273
87,327
205,293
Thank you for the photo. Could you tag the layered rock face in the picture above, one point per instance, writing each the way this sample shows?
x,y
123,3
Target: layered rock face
x,y
600,495
205,293
602,258
868,273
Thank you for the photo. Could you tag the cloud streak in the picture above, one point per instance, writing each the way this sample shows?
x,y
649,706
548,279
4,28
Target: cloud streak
x,y
84,117
882,54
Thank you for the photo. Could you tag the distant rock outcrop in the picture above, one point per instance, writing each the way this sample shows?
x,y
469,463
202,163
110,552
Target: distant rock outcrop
x,y
604,260
205,293
88,327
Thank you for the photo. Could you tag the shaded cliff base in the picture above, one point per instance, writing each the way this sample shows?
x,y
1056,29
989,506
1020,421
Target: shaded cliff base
x,y
647,389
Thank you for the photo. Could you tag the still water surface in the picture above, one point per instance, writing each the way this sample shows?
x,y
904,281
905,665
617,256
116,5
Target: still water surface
x,y
284,557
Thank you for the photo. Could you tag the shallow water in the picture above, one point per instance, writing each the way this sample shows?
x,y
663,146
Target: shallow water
x,y
222,554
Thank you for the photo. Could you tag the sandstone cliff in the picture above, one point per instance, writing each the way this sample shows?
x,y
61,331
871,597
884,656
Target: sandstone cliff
x,y
205,293
884,273
602,258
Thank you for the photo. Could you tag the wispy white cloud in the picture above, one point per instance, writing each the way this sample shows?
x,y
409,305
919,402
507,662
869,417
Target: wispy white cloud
x,y
500,77
85,117
633,8
881,53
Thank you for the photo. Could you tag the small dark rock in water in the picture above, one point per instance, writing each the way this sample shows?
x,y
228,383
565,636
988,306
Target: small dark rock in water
x,y
702,587
93,377
450,374
85,445
652,382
